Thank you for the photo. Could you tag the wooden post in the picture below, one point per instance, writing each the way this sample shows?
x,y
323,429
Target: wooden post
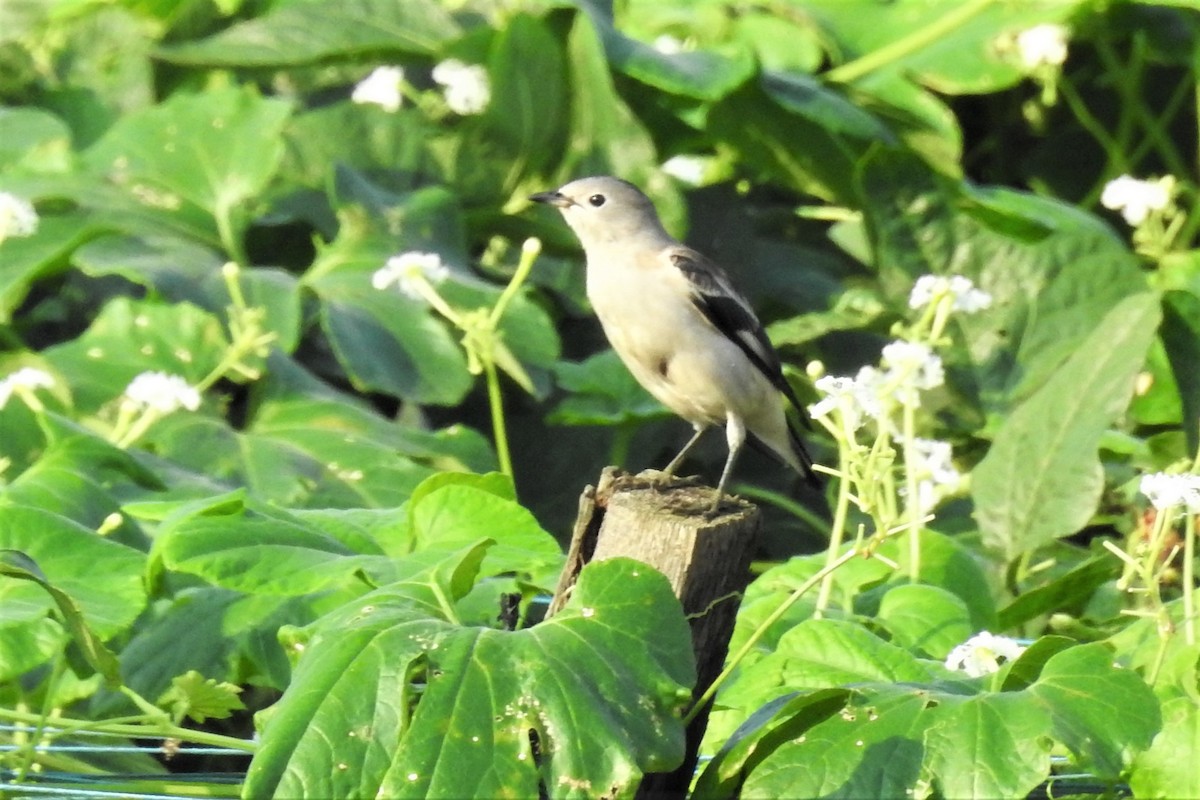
x,y
706,560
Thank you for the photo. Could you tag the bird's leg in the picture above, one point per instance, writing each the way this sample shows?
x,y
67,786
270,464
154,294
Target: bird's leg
x,y
735,435
669,472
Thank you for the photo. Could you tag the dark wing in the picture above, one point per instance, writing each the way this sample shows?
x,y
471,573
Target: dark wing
x,y
713,294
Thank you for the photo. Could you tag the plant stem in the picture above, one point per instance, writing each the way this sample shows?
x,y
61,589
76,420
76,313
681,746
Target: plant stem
x,y
496,407
836,532
899,49
64,726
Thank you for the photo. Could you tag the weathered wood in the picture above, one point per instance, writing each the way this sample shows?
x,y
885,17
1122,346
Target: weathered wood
x,y
706,561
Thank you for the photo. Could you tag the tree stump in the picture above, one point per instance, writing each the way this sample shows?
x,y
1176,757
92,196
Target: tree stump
x,y
707,562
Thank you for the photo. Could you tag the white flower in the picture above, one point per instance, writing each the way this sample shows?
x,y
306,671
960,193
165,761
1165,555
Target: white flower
x,y
17,216
980,655
1043,45
1135,199
915,359
933,466
26,378
407,269
855,398
467,89
162,392
668,45
1167,491
689,169
931,288
381,88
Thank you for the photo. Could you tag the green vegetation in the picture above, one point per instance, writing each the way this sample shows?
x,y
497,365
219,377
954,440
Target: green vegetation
x,y
298,390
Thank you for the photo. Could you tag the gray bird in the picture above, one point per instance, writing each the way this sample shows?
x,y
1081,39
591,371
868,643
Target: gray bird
x,y
678,324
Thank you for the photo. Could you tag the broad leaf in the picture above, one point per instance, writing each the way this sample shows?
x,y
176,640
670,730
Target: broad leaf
x,y
546,700
1042,477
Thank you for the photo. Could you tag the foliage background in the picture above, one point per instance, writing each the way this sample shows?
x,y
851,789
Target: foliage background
x,y
213,205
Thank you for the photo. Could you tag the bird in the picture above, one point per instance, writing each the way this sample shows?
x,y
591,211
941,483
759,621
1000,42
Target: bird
x,y
680,326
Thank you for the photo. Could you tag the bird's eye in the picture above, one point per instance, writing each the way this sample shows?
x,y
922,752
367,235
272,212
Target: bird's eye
x,y
597,200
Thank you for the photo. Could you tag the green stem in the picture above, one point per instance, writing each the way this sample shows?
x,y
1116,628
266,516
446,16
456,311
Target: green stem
x,y
836,533
1128,79
901,48
496,407
65,726
761,631
913,506
1189,579
229,235
529,254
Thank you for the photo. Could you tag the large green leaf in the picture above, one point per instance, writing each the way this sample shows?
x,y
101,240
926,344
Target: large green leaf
x,y
961,737
1168,767
216,150
799,132
301,33
130,337
1042,477
588,699
103,577
1102,713
1052,271
238,543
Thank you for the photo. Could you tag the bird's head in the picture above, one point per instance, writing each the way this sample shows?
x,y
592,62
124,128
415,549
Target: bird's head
x,y
602,210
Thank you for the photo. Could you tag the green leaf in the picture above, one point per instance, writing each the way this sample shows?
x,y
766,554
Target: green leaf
x,y
926,619
1104,714
62,559
1066,593
1168,767
241,544
989,745
525,123
130,337
468,733
80,477
453,516
30,259
779,721
603,393
820,654
216,150
1181,339
799,132
1042,477
871,748
296,34
33,140
606,137
702,75
948,564
193,696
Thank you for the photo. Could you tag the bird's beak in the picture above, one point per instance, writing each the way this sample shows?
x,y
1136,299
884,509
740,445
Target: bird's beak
x,y
556,199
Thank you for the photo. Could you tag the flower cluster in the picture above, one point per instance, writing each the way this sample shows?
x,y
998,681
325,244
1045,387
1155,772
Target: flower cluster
x,y
409,271
382,88
1168,491
17,216
24,381
889,394
161,392
1042,46
982,654
930,289
1137,199
465,86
